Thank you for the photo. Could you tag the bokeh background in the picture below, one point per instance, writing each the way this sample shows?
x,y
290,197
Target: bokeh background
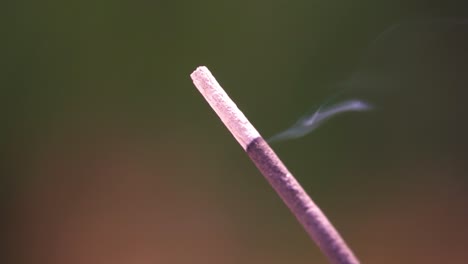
x,y
110,155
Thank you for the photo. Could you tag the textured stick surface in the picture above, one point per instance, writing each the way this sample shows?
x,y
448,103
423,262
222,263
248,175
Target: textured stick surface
x,y
224,107
306,211
286,186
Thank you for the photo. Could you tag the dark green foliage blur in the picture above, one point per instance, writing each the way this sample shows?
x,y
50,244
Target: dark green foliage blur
x,y
89,87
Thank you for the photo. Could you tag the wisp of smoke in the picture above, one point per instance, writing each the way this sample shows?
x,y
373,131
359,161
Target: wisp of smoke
x,y
404,33
307,124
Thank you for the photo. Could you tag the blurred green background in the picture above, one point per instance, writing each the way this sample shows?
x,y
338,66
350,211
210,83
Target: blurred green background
x,y
110,154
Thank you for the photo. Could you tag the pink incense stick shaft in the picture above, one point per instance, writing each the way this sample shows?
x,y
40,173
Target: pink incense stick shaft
x,y
286,186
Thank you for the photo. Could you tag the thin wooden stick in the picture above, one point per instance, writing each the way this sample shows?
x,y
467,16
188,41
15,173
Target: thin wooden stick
x,y
306,211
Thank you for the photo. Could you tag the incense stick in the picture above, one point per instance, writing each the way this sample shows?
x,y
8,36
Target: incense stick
x,y
286,186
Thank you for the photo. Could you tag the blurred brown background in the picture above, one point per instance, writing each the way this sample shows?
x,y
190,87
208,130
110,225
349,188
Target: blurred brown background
x,y
110,155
